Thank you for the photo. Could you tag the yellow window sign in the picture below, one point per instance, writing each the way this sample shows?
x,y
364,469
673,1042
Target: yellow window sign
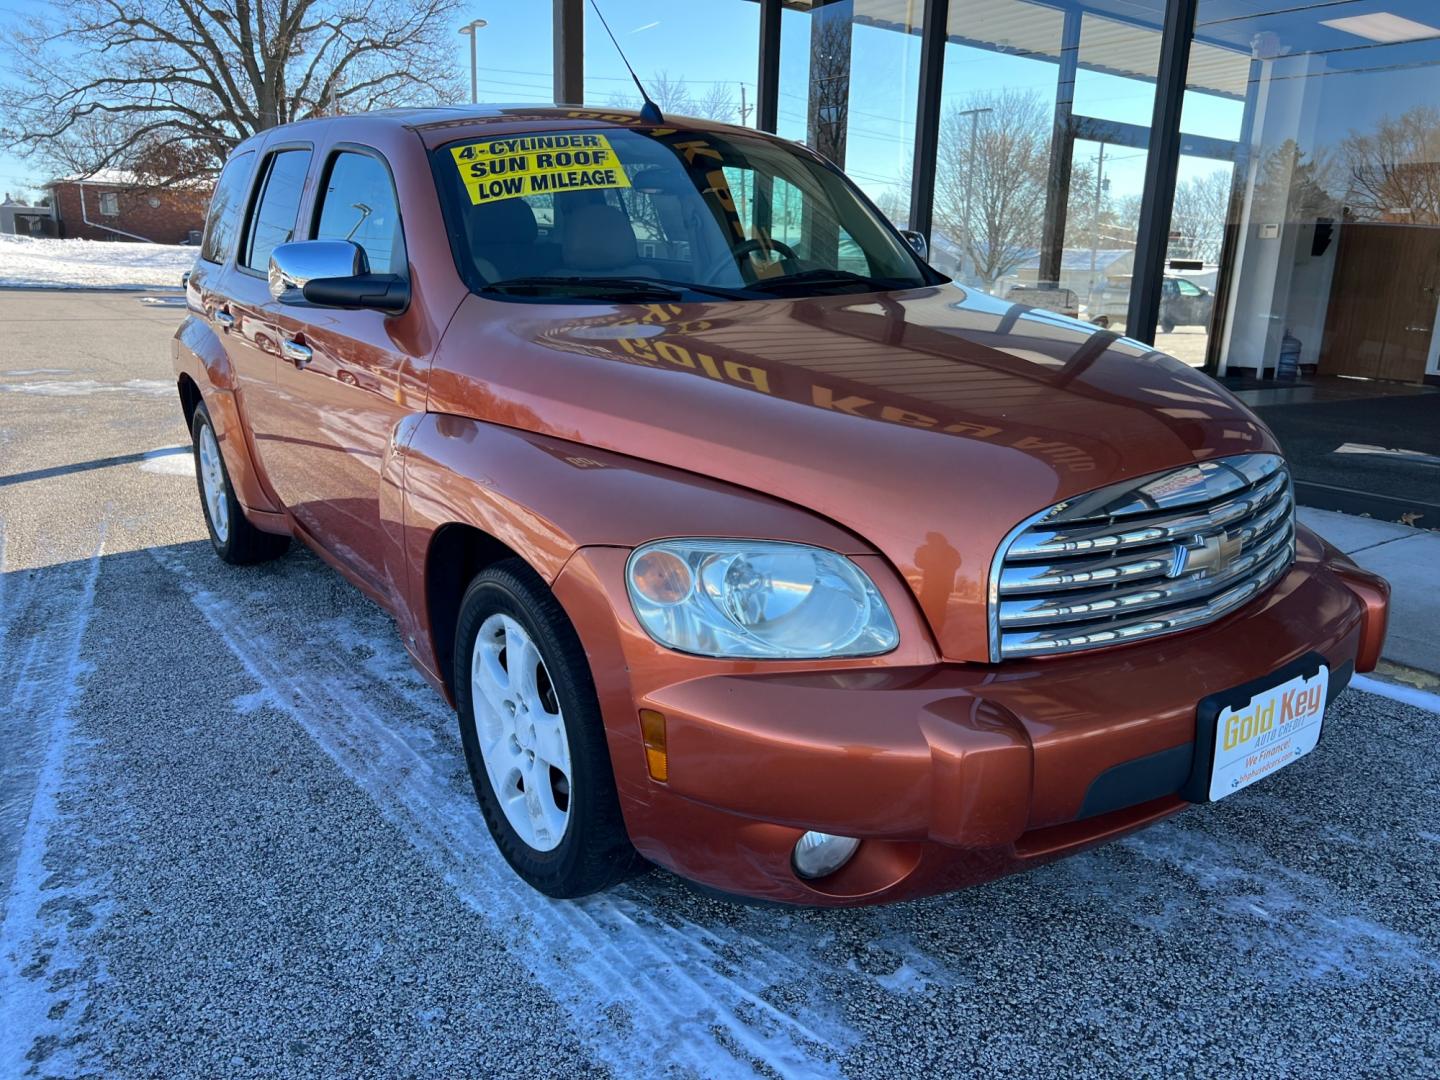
x,y
537,165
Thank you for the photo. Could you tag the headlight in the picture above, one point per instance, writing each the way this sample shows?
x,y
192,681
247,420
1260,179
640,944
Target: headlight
x,y
757,598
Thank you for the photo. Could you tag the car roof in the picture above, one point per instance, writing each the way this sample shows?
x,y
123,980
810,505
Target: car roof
x,y
444,123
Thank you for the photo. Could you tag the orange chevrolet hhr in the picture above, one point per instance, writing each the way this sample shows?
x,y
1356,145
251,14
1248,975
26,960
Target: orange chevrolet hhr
x,y
742,541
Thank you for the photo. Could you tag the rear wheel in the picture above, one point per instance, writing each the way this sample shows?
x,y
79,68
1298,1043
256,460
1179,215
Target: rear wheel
x,y
1102,321
235,540
534,740
1166,326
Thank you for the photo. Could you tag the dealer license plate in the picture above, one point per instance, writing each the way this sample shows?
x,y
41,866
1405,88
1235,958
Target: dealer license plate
x,y
1268,732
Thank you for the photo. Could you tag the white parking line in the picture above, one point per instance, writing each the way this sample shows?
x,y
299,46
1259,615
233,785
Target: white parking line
x,y
1409,695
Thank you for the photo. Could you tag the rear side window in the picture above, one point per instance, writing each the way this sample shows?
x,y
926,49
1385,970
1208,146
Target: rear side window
x,y
272,222
222,221
359,204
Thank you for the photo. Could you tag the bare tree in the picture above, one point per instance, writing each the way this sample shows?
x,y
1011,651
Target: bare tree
x,y
828,112
674,96
107,82
671,93
1395,171
894,201
717,103
991,177
1091,220
1197,217
1292,185
1127,209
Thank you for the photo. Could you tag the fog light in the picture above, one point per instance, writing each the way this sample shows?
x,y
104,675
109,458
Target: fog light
x,y
818,854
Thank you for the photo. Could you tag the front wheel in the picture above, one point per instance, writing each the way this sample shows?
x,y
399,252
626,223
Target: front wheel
x,y
534,739
234,539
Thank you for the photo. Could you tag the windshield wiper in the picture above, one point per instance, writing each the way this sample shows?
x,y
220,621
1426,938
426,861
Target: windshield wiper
x,y
827,276
629,287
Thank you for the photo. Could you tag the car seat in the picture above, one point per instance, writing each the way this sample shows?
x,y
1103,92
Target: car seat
x,y
503,240
596,240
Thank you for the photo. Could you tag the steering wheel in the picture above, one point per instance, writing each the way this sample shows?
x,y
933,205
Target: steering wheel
x,y
740,250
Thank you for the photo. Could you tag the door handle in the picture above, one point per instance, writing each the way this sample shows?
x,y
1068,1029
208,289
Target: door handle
x,y
1418,329
297,354
225,319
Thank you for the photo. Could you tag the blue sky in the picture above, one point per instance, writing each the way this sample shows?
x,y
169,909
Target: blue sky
x,y
710,41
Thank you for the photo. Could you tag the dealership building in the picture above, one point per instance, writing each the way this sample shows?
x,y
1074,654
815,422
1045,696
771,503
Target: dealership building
x,y
1250,185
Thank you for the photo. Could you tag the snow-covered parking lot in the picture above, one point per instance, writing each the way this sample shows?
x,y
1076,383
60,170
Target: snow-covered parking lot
x,y
237,839
38,263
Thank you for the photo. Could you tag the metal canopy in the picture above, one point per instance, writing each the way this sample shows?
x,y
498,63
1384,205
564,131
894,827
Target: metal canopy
x,y
1117,37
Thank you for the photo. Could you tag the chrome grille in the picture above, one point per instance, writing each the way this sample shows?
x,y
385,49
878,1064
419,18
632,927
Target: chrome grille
x,y
1145,557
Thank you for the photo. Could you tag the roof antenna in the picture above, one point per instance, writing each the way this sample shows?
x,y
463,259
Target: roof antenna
x,y
649,112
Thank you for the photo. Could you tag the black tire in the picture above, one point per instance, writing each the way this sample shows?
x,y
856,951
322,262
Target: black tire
x,y
1102,321
1167,327
595,851
243,544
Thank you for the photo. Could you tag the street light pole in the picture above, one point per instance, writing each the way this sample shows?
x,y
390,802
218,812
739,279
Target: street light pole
x,y
469,31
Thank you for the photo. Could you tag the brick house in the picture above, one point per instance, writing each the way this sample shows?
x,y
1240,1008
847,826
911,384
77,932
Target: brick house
x,y
114,205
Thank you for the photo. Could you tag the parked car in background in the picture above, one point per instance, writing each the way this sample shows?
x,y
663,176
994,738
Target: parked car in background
x,y
1046,298
821,583
1182,303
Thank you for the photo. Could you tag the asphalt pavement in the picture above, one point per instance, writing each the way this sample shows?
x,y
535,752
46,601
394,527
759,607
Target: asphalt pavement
x,y
237,839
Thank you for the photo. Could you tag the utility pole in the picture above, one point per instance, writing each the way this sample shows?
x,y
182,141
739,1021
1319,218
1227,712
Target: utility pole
x,y
1095,214
469,31
744,201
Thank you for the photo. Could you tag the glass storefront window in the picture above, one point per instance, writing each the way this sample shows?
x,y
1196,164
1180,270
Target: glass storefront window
x,y
1040,173
1114,104
997,119
1326,299
849,73
1203,190
695,58
1102,215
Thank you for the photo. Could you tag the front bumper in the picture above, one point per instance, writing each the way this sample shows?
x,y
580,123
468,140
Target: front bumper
x,y
953,774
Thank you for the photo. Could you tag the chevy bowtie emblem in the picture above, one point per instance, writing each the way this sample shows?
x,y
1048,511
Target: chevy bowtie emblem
x,y
1212,554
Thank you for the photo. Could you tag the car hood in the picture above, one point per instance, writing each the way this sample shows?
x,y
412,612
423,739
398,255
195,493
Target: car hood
x,y
927,422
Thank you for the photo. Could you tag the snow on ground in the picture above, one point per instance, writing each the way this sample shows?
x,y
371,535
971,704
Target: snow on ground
x,y
704,1012
31,263
83,387
169,461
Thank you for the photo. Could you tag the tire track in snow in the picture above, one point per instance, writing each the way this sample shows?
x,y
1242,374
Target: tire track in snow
x,y
19,736
641,990
48,912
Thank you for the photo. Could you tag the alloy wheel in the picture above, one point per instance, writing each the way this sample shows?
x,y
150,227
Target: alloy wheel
x,y
212,480
521,732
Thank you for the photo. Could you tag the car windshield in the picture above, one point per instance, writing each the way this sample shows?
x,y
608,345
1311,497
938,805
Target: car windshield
x,y
661,214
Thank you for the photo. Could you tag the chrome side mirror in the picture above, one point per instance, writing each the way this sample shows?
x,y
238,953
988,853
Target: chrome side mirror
x,y
917,241
293,265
